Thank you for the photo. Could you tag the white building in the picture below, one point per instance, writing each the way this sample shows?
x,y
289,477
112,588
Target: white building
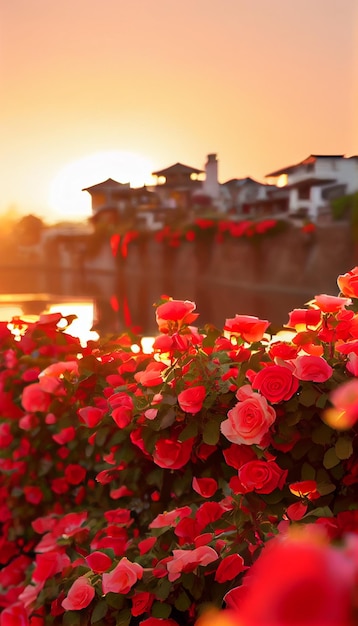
x,y
248,198
315,181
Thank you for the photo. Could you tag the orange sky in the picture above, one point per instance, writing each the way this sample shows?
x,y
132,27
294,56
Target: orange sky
x,y
263,83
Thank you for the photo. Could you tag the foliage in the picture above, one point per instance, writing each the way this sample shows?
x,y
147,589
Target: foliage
x,y
138,489
347,206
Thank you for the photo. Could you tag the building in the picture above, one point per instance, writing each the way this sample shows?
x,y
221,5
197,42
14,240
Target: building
x,y
179,188
316,180
114,202
247,197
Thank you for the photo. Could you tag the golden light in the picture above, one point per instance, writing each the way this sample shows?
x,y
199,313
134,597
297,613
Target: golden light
x,y
80,327
282,180
66,198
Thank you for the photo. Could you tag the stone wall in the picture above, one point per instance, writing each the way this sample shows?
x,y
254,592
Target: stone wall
x,y
277,273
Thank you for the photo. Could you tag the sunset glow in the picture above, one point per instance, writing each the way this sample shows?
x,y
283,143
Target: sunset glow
x,y
66,198
94,90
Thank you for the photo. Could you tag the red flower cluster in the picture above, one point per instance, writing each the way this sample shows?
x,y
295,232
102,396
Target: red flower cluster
x,y
138,489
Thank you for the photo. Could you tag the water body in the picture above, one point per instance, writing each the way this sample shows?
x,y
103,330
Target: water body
x,y
113,302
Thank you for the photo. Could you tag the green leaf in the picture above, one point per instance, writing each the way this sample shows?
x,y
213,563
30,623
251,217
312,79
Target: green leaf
x,y
344,447
325,488
338,472
322,435
211,433
301,448
161,609
163,588
183,602
190,430
308,472
307,397
99,611
101,436
321,511
115,600
71,618
124,618
322,401
330,458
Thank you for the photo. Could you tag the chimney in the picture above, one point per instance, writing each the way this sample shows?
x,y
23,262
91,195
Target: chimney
x,y
211,184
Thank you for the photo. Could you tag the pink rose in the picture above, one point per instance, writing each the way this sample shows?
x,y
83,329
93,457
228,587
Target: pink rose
x,y
122,578
261,476
79,596
151,376
170,518
344,413
191,400
249,421
331,304
313,368
185,561
275,383
249,327
60,368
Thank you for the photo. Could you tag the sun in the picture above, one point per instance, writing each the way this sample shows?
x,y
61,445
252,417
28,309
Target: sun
x,y
66,198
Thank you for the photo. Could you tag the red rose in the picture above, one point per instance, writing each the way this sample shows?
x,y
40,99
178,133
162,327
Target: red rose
x,y
229,568
304,317
276,383
282,350
249,327
249,421
90,416
15,615
206,487
172,454
298,580
35,399
262,476
191,400
75,473
235,455
141,602
173,314
99,562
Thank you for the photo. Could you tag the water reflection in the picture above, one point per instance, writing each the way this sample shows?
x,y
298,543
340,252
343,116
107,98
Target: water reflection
x,y
113,302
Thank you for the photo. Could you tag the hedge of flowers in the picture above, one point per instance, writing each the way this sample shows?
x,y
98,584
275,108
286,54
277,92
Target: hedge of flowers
x,y
218,471
200,230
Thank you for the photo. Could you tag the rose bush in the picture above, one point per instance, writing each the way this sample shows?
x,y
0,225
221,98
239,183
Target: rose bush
x,y
142,489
